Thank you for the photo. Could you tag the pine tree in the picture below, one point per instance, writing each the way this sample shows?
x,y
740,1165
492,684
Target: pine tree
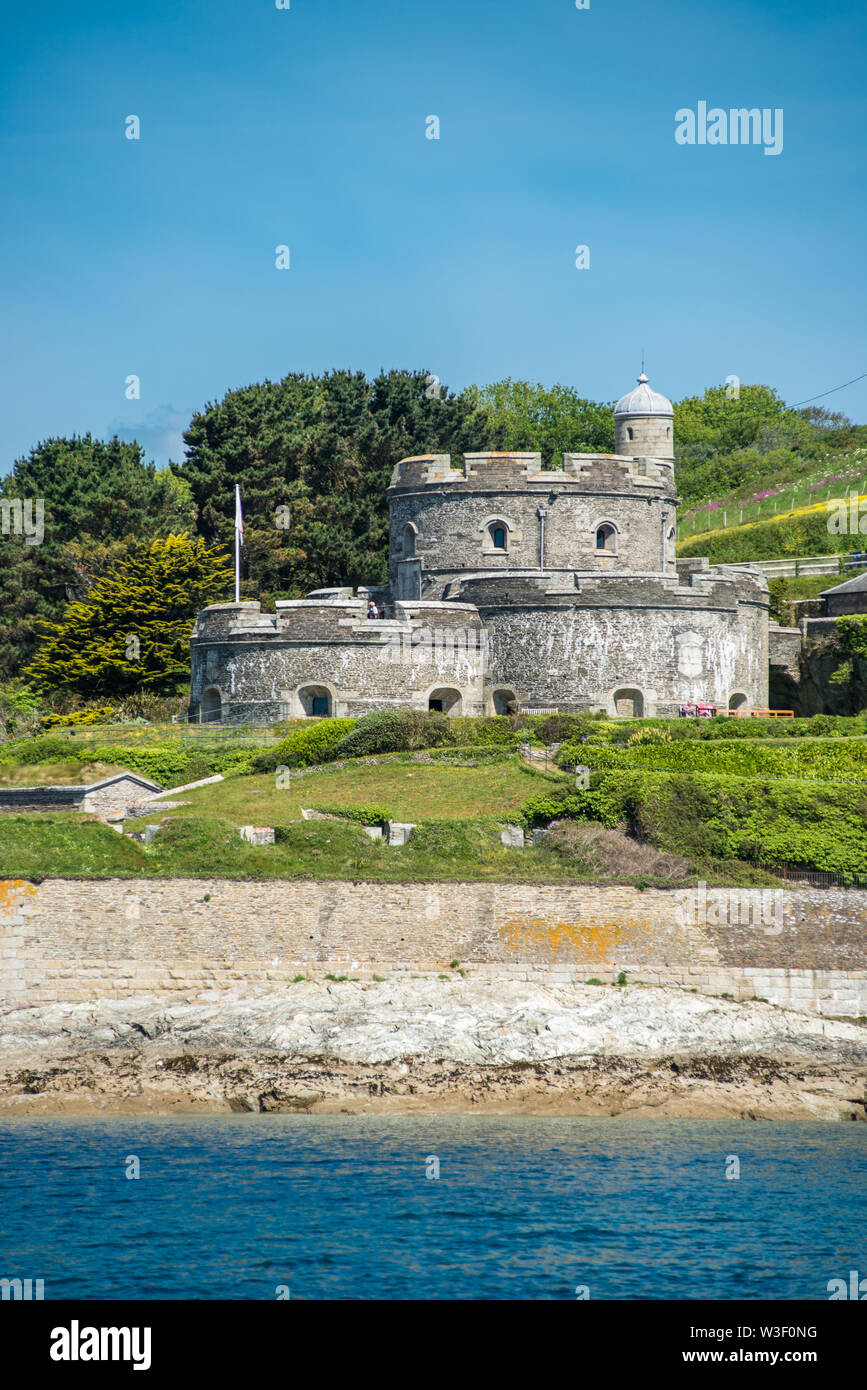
x,y
132,631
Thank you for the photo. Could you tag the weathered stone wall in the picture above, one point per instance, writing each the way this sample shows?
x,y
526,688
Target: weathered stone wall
x,y
784,649
80,940
705,639
650,434
259,661
449,515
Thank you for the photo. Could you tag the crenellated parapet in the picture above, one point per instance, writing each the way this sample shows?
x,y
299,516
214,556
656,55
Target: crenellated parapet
x,y
497,471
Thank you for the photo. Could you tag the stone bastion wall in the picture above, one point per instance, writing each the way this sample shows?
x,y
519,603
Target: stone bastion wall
x,y
265,666
652,640
194,939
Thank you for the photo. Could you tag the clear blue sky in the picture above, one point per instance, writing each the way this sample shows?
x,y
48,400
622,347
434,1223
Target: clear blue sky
x,y
306,127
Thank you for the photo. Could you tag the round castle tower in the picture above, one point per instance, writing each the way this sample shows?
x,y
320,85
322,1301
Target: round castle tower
x,y
644,423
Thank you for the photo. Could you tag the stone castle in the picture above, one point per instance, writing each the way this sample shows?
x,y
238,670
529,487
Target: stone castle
x,y
511,587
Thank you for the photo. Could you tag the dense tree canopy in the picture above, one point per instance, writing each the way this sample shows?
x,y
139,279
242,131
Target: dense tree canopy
x,y
132,632
99,500
552,420
313,457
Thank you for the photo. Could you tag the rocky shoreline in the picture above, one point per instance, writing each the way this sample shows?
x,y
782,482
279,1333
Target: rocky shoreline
x,y
426,1045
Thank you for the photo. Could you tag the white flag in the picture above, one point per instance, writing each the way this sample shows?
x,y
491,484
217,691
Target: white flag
x,y
239,519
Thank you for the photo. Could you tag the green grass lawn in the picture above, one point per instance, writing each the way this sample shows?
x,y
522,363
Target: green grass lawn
x,y
64,845
408,790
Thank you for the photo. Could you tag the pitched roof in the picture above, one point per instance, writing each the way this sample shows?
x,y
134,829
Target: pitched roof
x,y
849,586
124,777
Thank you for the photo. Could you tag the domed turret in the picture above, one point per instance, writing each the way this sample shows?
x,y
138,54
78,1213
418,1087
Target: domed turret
x,y
644,423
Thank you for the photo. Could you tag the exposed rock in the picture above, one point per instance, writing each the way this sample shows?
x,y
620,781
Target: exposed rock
x,y
512,836
425,1043
257,834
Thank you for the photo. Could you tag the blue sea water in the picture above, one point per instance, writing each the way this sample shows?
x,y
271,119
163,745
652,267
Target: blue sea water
x,y
342,1208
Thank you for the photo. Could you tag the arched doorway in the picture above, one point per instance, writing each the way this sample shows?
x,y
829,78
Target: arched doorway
x,y
444,701
738,701
629,703
504,701
315,701
211,706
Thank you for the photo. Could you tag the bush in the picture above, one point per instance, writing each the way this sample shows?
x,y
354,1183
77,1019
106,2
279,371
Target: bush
x,y
611,853
305,746
490,731
564,728
396,731
763,822
707,818
366,815
101,714
39,750
603,803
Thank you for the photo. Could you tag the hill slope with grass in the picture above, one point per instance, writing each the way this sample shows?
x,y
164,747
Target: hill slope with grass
x,y
658,801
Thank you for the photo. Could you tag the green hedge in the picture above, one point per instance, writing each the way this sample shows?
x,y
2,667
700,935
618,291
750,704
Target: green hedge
x,y
396,731
813,761
168,763
704,817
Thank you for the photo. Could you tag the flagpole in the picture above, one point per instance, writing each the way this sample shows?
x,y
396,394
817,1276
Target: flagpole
x,y
238,525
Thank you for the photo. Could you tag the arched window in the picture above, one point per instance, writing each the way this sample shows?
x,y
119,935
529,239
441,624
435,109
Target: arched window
x,y
629,433
606,538
409,534
498,532
668,431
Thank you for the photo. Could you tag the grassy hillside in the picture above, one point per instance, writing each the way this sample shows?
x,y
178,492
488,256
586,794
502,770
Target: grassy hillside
x,y
664,802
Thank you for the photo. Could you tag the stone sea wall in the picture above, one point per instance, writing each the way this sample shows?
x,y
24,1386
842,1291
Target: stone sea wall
x,y
74,941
